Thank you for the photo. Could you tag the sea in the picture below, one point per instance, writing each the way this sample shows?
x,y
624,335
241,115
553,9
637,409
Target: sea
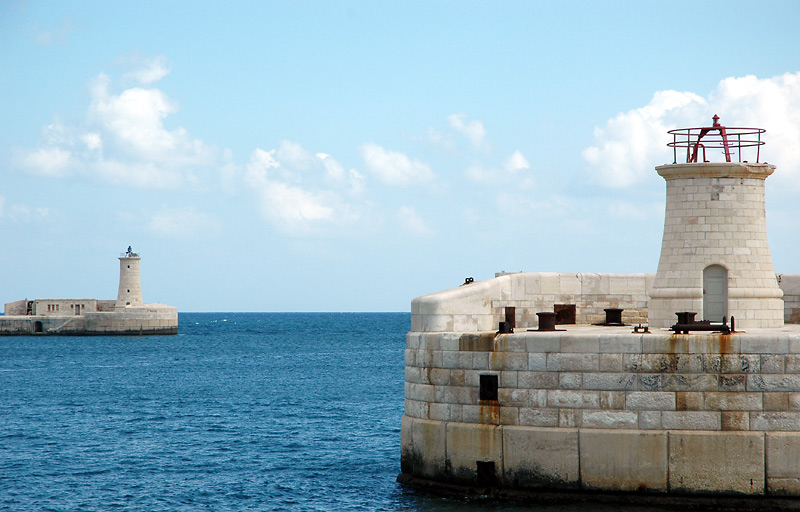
x,y
238,412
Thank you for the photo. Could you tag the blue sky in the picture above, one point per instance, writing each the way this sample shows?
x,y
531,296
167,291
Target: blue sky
x,y
349,156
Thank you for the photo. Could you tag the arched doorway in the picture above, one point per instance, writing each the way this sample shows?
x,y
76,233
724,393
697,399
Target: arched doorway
x,y
715,293
37,326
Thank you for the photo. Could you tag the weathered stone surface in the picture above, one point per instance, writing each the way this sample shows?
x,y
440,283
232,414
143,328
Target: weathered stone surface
x,y
691,420
610,363
735,420
541,457
610,381
624,460
467,444
538,417
650,420
538,380
719,401
572,362
573,399
609,419
778,382
688,401
783,470
650,401
785,421
580,392
612,399
728,462
783,455
423,447
569,380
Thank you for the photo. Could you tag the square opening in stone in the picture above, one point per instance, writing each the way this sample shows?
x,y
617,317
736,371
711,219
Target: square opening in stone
x,y
486,472
565,313
489,385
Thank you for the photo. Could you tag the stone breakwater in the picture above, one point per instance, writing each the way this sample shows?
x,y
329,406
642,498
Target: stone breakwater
x,y
147,319
128,314
605,409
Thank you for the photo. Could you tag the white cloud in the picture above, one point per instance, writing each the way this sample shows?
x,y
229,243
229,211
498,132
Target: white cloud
x,y
630,145
183,223
436,140
300,193
56,133
146,175
294,156
472,130
357,182
634,142
517,162
125,141
149,70
335,173
393,167
503,176
134,119
93,141
294,205
333,169
411,221
258,170
48,161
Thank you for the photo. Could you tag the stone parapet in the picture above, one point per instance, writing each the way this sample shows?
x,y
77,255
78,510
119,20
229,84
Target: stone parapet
x,y
480,306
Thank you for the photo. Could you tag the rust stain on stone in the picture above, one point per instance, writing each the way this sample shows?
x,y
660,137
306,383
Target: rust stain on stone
x,y
490,412
725,343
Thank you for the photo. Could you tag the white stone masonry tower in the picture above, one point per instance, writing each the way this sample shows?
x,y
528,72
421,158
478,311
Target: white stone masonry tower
x,y
715,257
130,288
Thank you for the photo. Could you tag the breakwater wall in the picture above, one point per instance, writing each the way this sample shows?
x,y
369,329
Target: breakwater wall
x,y
147,319
602,408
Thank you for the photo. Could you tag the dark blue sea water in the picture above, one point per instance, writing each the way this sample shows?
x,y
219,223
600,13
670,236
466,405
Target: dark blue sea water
x,y
238,412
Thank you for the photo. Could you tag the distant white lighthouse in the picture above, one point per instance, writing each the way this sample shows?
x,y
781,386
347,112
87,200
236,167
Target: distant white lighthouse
x,y
130,287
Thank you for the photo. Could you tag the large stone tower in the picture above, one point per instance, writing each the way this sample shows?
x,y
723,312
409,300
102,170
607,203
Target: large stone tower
x,y
715,257
130,288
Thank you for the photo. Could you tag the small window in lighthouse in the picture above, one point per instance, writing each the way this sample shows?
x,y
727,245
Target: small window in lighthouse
x,y
129,266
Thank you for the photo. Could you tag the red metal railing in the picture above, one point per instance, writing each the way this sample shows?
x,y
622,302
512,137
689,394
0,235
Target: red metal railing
x,y
730,140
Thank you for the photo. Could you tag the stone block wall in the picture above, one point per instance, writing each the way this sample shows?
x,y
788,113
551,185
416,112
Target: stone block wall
x,y
18,307
612,411
63,307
